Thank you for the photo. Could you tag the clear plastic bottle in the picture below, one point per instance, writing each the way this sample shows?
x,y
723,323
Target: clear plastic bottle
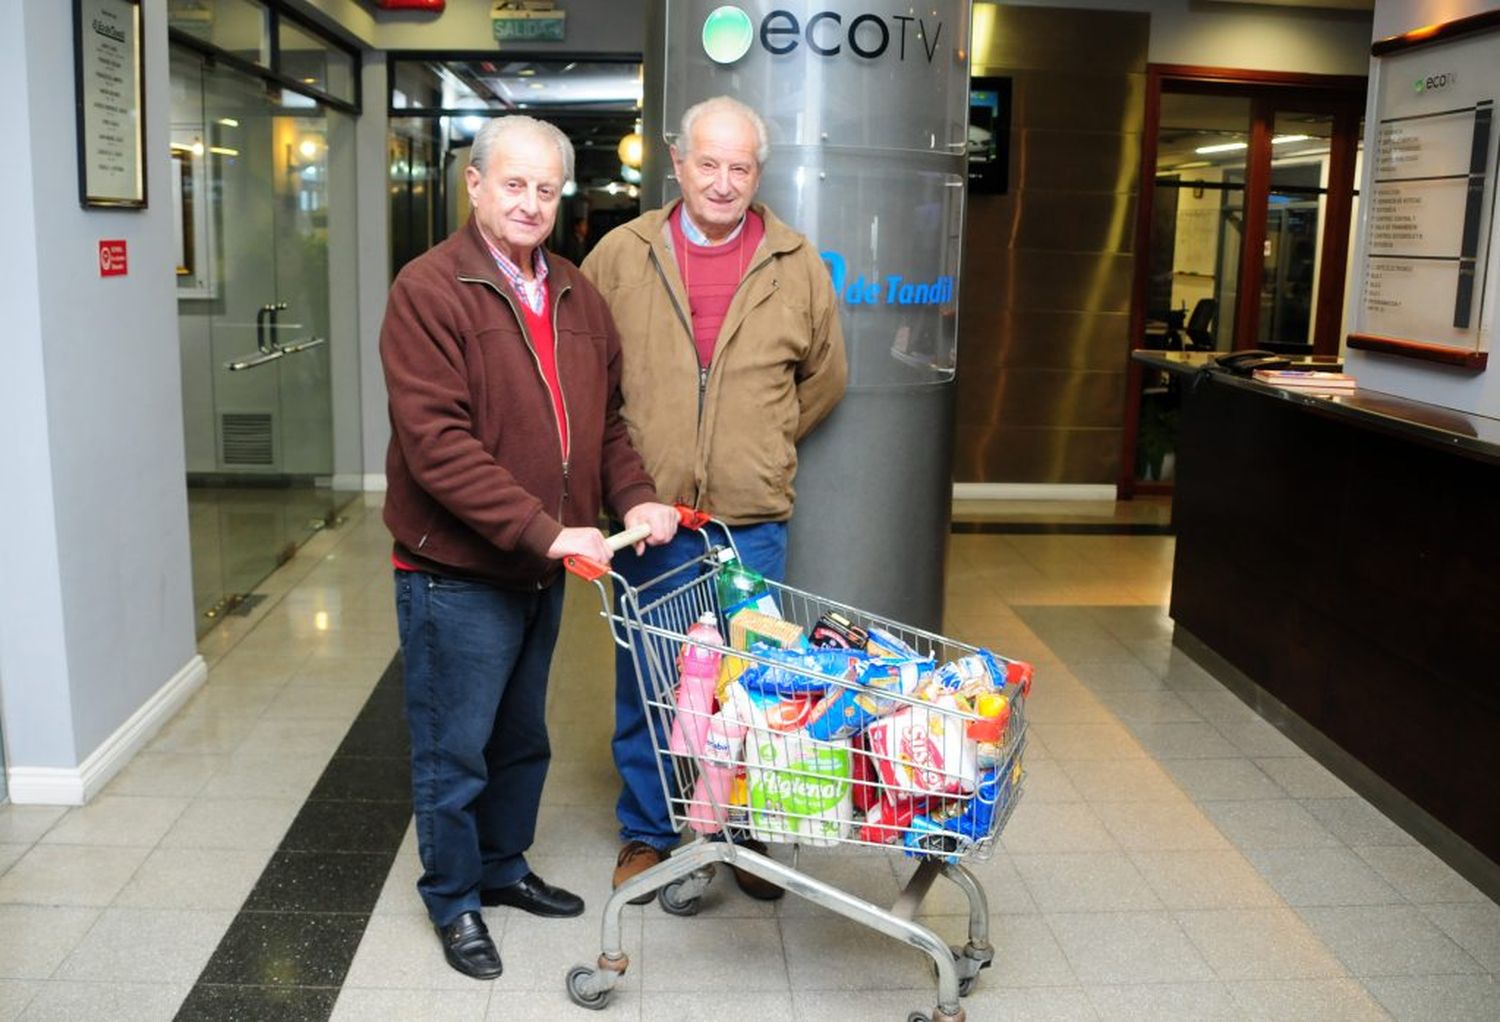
x,y
697,680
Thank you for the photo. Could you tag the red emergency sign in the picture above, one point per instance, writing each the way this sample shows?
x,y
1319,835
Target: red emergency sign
x,y
112,261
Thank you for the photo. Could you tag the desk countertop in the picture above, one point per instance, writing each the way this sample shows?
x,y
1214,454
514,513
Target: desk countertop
x,y
1476,436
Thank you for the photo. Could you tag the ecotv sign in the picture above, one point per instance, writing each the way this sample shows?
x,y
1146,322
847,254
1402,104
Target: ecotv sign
x,y
893,290
728,34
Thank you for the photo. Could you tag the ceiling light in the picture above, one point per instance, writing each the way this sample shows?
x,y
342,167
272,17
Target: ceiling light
x,y
1280,139
229,122
1222,147
631,149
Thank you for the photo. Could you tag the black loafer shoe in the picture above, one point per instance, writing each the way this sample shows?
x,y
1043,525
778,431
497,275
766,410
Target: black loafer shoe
x,y
468,947
533,894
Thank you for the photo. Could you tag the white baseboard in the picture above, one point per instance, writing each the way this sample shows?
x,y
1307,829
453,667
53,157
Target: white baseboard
x,y
374,482
63,786
1034,491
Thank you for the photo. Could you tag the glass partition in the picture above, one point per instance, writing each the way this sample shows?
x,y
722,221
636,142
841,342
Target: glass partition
x,y
256,314
1197,221
238,27
315,63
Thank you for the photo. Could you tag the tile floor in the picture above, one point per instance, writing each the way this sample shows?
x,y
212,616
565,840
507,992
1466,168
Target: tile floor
x,y
1175,857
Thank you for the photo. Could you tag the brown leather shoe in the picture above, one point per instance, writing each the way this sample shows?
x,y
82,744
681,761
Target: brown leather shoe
x,y
636,857
756,887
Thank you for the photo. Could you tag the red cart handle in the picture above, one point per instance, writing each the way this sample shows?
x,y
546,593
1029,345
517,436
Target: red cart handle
x,y
691,517
591,570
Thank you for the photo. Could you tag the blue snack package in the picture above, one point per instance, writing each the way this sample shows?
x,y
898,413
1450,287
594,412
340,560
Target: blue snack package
x,y
792,676
847,711
980,670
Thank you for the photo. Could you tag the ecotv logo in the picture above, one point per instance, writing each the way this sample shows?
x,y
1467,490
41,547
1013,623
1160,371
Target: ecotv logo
x,y
893,290
1432,83
728,34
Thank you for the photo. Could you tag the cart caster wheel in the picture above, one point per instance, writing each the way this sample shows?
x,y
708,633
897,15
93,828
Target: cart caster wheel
x,y
917,1016
576,977
673,904
966,985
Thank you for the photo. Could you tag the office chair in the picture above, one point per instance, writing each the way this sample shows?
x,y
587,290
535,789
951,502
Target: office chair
x,y
1200,325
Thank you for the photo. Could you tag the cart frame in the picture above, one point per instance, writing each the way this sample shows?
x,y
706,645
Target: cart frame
x,y
680,880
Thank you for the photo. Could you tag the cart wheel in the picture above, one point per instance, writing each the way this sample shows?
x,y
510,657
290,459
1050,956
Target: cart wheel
x,y
673,904
917,1016
576,977
966,985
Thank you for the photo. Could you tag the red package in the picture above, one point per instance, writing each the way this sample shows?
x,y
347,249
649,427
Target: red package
x,y
885,823
866,782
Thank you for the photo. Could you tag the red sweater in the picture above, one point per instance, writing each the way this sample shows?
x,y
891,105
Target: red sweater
x,y
475,483
711,275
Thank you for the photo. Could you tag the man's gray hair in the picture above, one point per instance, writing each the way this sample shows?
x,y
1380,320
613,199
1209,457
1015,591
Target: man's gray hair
x,y
501,128
725,104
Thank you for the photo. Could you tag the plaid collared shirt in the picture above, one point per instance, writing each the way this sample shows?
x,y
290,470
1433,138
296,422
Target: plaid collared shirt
x,y
533,292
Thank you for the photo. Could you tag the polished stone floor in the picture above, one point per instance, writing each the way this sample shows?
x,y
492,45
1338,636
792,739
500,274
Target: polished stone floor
x,y
1175,856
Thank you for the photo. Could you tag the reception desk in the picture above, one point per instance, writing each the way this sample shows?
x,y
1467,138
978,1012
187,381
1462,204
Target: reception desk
x,y
1342,556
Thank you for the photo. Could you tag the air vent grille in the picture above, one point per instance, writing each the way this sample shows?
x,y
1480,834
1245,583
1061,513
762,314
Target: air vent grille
x,y
246,438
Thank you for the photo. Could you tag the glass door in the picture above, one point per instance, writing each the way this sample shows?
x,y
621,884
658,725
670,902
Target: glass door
x,y
1243,236
255,315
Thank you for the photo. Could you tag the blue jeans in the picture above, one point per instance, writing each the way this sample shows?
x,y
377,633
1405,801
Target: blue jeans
x,y
642,808
476,691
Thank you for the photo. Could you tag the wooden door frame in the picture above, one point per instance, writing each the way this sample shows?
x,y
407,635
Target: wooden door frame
x,y
1344,96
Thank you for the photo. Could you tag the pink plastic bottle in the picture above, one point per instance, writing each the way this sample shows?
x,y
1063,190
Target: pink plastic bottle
x,y
698,676
723,750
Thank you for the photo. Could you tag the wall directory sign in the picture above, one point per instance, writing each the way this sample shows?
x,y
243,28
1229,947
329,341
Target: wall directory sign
x,y
107,62
1430,206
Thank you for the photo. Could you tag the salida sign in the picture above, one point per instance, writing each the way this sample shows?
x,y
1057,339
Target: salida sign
x,y
729,33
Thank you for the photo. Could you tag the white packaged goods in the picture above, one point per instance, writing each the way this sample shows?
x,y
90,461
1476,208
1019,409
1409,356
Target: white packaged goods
x,y
799,789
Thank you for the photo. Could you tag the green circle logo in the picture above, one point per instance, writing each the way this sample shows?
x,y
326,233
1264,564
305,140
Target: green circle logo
x,y
727,34
1419,85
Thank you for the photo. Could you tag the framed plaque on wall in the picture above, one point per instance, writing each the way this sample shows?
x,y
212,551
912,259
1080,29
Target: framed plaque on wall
x,y
110,96
1429,202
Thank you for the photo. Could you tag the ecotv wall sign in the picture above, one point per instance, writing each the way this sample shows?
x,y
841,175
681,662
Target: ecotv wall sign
x,y
729,33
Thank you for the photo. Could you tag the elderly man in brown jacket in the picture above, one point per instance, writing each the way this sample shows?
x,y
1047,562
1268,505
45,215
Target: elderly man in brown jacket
x,y
502,366
731,354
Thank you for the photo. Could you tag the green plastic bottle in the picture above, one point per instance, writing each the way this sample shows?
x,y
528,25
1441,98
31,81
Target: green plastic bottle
x,y
741,587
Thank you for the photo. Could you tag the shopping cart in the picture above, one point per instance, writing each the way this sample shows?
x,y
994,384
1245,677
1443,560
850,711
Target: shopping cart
x,y
808,750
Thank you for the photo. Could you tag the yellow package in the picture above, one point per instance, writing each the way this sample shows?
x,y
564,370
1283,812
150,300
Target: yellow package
x,y
752,626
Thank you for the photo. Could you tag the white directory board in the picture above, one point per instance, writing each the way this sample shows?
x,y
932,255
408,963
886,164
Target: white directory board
x,y
1429,209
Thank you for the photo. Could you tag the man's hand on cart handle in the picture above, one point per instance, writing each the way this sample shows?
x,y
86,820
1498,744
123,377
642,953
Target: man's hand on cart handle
x,y
581,542
659,521
634,537
590,568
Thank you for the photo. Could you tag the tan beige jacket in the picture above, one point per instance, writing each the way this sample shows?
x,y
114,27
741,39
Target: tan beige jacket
x,y
725,442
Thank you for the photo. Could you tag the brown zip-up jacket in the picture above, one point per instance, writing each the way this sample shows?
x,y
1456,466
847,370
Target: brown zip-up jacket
x,y
725,442
476,482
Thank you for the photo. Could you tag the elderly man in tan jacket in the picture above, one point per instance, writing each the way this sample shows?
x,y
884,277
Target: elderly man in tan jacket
x,y
731,353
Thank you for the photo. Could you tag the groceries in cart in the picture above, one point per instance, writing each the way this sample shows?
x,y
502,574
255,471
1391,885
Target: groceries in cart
x,y
843,732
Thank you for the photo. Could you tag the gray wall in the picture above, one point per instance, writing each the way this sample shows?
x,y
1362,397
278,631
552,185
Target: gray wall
x,y
95,599
374,267
1265,37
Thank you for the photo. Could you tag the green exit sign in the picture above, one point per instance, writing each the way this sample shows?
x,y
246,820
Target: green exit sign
x,y
529,26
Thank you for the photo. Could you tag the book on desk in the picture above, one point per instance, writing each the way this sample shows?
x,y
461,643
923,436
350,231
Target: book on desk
x,y
1305,379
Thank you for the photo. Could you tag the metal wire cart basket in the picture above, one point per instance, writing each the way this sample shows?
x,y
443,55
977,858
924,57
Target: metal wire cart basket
x,y
811,722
